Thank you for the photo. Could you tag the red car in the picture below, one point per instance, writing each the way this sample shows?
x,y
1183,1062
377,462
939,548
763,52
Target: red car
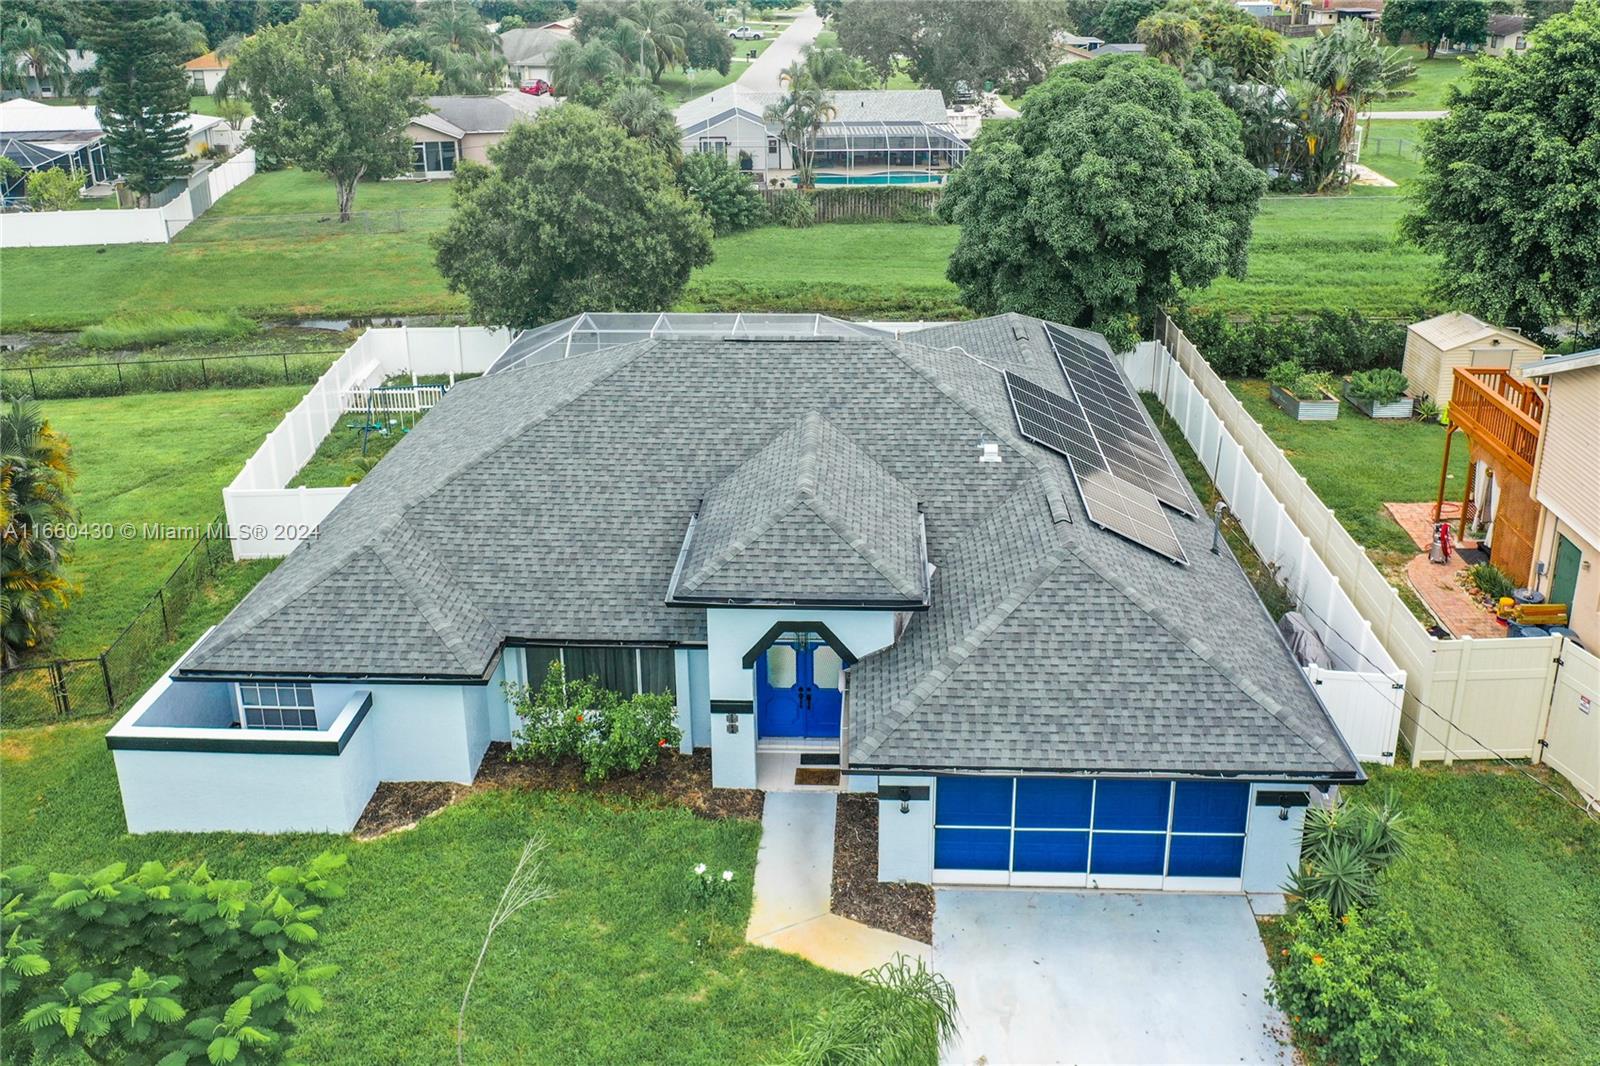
x,y
538,87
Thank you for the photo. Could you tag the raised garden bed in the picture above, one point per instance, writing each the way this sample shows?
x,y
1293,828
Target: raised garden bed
x,y
1400,408
1379,393
1322,408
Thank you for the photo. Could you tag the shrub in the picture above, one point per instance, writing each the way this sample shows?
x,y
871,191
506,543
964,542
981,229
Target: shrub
x,y
53,189
1359,988
1380,386
141,330
1344,849
1428,411
899,1014
1339,343
1299,382
37,477
579,719
790,208
1491,580
724,193
169,965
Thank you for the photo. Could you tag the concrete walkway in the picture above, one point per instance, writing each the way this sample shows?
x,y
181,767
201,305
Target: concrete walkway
x,y
762,75
793,886
1399,116
1106,977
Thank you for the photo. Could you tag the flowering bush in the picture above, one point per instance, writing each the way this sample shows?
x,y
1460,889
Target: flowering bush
x,y
1359,988
708,887
580,719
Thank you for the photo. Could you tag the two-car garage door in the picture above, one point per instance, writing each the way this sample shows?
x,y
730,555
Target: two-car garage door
x,y
1090,832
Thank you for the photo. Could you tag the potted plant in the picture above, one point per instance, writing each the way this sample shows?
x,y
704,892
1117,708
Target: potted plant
x,y
1379,393
1304,395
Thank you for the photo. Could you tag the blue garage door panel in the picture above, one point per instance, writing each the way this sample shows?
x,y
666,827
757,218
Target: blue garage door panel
x,y
974,801
1202,856
1128,853
1122,804
1210,807
1053,802
1051,851
971,849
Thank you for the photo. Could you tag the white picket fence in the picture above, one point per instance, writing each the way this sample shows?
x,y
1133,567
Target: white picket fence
x,y
1531,698
266,519
143,225
404,399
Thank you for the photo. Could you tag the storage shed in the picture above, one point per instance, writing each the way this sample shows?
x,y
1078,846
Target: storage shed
x,y
1436,347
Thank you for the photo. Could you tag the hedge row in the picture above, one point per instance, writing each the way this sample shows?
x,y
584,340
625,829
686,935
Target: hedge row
x,y
1332,341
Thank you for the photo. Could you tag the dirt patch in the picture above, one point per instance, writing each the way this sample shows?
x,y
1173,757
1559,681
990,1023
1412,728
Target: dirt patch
x,y
683,780
398,805
857,893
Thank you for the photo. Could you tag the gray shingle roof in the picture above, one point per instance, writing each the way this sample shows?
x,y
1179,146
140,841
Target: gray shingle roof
x,y
549,502
849,105
487,114
810,518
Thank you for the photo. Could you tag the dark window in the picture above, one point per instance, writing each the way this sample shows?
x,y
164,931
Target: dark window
x,y
624,670
658,670
613,668
539,660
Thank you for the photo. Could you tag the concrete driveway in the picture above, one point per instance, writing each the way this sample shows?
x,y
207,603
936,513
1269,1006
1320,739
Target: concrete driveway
x,y
1102,977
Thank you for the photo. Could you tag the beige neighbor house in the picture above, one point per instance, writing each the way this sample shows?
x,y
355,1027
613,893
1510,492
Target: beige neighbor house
x,y
1567,488
1456,339
465,127
205,72
1507,34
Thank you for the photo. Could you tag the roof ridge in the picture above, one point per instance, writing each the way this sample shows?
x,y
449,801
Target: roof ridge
x,y
873,558
1205,653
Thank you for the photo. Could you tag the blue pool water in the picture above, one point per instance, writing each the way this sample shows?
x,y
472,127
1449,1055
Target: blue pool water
x,y
880,178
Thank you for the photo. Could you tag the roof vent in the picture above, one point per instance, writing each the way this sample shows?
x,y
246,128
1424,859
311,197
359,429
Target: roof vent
x,y
989,450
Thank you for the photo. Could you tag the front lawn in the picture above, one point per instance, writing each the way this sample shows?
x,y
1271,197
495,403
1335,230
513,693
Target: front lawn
x,y
618,967
1356,464
1428,88
1501,880
156,459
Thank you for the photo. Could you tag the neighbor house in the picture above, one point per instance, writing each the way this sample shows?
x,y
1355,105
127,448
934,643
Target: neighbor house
x,y
872,137
1437,346
1566,485
1322,13
959,566
40,136
205,73
1507,34
530,53
465,127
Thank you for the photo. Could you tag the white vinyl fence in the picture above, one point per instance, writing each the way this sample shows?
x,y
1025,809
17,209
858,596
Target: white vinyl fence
x,y
266,519
143,225
1533,698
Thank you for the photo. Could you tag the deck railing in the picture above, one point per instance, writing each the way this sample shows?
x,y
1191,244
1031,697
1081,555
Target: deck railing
x,y
1500,414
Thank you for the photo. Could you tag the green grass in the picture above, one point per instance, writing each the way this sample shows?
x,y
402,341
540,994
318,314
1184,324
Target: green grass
x,y
1394,149
145,329
678,87
1501,880
159,458
339,461
1434,77
1356,464
618,967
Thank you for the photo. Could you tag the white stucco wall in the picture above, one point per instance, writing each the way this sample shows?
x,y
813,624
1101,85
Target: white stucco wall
x,y
905,840
422,731
730,632
1271,843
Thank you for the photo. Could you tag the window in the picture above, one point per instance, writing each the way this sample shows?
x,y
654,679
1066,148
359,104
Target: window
x,y
277,706
772,146
628,671
433,157
1522,42
714,146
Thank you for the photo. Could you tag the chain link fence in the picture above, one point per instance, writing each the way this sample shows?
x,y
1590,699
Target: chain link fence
x,y
312,225
118,377
60,689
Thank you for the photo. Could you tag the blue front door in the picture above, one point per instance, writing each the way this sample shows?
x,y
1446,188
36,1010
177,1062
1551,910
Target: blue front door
x,y
797,690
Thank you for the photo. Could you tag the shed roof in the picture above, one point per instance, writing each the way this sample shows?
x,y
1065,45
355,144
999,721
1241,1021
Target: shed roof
x,y
1456,328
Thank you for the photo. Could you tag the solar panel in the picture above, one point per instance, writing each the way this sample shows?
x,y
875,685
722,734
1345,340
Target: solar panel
x,y
1058,422
1117,420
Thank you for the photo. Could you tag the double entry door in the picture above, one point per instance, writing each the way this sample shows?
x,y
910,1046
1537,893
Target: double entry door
x,y
797,689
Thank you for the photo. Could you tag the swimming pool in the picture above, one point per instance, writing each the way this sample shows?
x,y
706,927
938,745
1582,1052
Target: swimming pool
x,y
883,177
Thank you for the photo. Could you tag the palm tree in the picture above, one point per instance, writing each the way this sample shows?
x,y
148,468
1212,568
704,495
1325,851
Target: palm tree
x,y
827,68
28,42
453,39
641,111
800,115
1169,37
1350,69
660,37
577,65
36,476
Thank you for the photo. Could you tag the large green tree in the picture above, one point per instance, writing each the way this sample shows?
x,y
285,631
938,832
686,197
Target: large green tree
x,y
1427,22
143,104
1509,195
1112,20
1116,187
36,476
941,42
328,99
575,215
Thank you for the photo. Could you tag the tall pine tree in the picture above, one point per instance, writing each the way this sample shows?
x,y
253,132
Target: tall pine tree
x,y
144,94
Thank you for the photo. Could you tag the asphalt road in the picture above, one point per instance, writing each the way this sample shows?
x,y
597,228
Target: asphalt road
x,y
762,75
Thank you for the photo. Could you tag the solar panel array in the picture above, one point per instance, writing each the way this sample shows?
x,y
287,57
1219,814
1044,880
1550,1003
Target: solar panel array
x,y
1119,423
1058,422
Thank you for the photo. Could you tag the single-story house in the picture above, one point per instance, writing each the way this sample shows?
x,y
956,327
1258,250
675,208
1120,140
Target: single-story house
x,y
465,127
1329,12
39,136
1566,486
1072,53
531,52
1435,347
958,565
873,137
205,72
1507,34
78,61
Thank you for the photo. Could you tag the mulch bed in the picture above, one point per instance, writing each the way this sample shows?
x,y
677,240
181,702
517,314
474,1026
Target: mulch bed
x,y
676,780
857,892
